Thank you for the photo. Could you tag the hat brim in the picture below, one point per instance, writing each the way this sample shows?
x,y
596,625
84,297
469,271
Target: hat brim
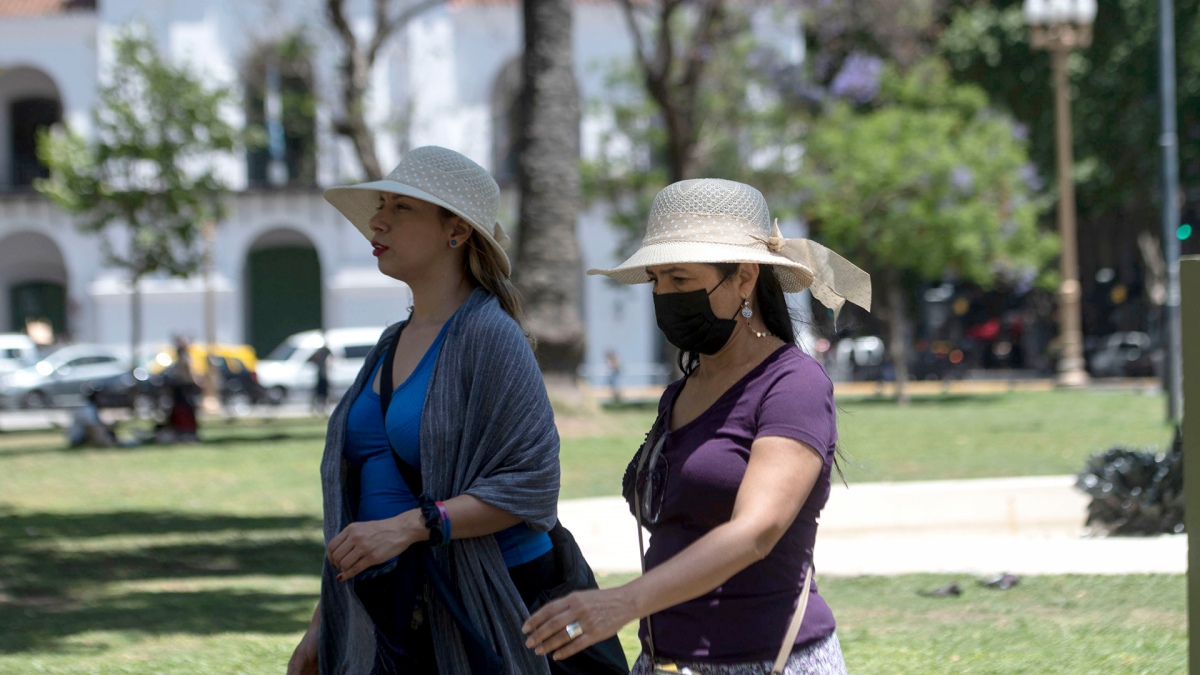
x,y
359,203
793,276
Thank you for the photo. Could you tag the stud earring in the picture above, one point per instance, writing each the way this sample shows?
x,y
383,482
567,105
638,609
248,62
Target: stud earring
x,y
746,311
454,242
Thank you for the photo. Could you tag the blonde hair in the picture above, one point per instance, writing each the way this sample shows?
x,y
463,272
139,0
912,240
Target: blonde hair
x,y
484,270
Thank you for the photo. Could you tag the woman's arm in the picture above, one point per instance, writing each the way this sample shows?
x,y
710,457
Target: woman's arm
x,y
304,658
779,477
371,542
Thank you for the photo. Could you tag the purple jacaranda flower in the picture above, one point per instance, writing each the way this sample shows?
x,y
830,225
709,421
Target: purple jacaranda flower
x,y
858,78
1033,180
962,179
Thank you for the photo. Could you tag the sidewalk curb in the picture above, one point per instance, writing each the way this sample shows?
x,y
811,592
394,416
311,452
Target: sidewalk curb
x,y
1026,525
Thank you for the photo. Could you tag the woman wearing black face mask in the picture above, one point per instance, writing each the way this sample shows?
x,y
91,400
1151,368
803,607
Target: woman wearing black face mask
x,y
736,469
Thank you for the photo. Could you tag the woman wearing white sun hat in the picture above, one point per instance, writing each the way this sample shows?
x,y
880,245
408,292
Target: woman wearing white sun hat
x,y
440,494
736,469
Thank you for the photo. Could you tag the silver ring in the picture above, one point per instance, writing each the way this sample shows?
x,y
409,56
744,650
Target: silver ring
x,y
574,630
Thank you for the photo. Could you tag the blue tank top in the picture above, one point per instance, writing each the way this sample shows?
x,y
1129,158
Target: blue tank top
x,y
382,490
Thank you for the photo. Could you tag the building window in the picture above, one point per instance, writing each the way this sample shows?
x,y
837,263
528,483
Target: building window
x,y
281,104
29,117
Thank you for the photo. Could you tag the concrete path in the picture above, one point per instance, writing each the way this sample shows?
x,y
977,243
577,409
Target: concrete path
x,y
996,385
976,527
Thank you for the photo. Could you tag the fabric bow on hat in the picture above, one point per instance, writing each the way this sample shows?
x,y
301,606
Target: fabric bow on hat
x,y
836,280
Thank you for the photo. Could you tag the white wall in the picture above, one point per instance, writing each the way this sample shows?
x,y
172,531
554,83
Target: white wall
x,y
47,56
441,69
23,215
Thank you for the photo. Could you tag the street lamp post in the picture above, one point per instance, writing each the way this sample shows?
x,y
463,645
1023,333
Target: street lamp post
x,y
1058,26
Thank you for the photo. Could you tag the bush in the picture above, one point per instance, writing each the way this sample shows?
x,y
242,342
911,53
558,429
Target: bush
x,y
1135,492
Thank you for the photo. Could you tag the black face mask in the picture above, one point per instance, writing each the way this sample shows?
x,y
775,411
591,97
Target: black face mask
x,y
688,321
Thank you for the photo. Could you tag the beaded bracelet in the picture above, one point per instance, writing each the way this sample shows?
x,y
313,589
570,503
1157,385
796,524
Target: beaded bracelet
x,y
445,522
436,520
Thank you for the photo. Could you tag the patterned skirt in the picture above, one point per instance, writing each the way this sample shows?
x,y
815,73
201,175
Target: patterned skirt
x,y
823,657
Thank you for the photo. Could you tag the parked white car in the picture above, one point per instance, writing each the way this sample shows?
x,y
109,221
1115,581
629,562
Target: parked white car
x,y
17,351
287,369
62,378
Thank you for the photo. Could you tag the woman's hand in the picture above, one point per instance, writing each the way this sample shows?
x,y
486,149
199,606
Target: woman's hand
x,y
600,614
371,542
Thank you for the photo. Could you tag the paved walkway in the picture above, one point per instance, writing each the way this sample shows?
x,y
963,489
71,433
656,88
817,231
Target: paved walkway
x,y
975,527
999,385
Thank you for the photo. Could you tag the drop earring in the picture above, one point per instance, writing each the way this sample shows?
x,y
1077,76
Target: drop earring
x,y
748,313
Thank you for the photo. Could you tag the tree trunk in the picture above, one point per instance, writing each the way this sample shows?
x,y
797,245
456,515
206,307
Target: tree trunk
x,y
355,68
548,266
356,72
898,338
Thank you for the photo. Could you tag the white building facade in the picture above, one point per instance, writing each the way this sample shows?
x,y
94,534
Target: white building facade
x,y
283,259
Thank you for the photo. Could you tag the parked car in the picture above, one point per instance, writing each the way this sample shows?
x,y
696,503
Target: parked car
x,y
287,369
164,357
60,379
147,390
1124,354
860,358
17,351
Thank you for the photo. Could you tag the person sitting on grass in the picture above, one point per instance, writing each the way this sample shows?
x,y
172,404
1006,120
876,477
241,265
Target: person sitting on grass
x,y
87,429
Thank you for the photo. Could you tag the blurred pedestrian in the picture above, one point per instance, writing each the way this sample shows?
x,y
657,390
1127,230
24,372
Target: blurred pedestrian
x,y
443,489
613,362
736,469
320,359
181,421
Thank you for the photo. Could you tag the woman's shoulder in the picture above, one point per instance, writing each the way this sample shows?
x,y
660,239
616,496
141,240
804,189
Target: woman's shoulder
x,y
792,366
482,324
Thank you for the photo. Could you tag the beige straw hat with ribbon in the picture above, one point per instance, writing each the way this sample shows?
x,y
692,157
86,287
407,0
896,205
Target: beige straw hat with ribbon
x,y
438,176
709,220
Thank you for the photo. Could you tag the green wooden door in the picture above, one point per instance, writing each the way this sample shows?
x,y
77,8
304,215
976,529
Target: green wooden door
x,y
283,285
38,300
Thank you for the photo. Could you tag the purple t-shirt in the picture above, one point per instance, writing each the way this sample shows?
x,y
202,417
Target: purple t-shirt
x,y
745,618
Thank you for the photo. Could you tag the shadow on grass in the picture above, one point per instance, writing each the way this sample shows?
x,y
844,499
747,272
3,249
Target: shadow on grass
x,y
34,628
49,592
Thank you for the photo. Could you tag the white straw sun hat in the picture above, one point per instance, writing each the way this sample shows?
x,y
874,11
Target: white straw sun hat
x,y
438,176
709,220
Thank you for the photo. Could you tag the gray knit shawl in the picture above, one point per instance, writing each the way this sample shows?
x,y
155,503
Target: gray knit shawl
x,y
487,430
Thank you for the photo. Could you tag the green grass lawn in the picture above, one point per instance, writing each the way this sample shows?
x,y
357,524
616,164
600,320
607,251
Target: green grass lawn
x,y
934,438
203,558
1073,625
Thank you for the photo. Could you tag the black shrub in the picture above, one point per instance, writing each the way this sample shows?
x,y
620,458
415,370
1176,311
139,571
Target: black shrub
x,y
1135,491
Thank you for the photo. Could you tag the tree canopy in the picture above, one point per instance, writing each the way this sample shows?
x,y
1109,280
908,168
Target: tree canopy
x,y
150,163
927,183
149,168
